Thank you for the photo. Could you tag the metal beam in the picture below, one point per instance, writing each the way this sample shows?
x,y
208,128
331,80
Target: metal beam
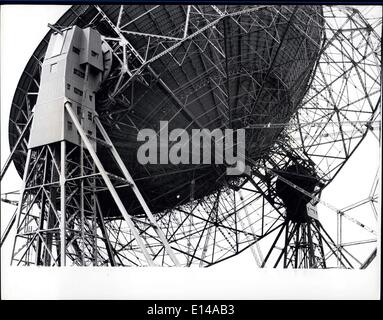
x,y
136,191
10,157
109,184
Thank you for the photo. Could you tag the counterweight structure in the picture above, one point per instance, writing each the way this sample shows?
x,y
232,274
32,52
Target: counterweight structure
x,y
302,80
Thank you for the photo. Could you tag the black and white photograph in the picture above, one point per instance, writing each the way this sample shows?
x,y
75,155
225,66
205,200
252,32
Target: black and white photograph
x,y
217,148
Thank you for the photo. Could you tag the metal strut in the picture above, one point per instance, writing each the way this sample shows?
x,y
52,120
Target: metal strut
x,y
113,191
10,157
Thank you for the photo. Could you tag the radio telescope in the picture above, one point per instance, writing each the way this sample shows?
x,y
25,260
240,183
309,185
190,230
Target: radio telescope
x,y
303,81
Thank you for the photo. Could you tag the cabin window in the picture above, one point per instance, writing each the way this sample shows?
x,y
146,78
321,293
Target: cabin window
x,y
79,73
76,50
94,54
53,68
70,125
79,111
78,91
89,115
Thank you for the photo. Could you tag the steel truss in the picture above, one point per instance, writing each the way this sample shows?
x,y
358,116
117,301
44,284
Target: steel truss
x,y
341,105
59,216
330,124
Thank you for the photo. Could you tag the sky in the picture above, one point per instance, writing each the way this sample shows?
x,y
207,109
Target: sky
x,y
22,28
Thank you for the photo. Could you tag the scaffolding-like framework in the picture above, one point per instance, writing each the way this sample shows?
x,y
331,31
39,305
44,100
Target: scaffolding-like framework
x,y
341,104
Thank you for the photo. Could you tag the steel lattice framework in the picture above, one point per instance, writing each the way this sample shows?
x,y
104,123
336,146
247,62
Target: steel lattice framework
x,y
329,111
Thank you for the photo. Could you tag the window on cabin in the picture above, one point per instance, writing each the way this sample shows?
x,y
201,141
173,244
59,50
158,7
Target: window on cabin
x,y
53,67
76,50
70,125
79,73
78,91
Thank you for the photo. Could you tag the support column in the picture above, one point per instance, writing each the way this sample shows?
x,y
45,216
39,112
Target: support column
x,y
62,206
